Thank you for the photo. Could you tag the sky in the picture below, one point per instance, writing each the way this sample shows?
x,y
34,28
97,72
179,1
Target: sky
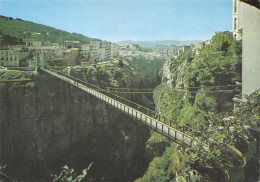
x,y
118,20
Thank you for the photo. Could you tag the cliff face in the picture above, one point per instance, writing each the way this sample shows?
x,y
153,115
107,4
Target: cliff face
x,y
45,126
174,78
166,73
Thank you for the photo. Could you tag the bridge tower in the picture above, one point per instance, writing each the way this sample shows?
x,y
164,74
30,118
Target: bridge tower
x,y
40,60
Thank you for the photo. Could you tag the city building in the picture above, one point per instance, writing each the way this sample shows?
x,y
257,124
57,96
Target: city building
x,y
9,58
129,53
71,44
71,53
33,43
196,47
114,50
246,26
100,50
186,48
85,47
237,19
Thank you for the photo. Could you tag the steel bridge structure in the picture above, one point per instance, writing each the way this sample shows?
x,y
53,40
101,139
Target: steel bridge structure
x,y
136,113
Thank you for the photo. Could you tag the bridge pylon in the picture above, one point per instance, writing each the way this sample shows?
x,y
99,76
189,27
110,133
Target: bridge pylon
x,y
41,60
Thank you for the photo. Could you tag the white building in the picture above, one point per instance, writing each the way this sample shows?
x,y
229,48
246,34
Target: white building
x,y
237,19
114,50
246,25
85,47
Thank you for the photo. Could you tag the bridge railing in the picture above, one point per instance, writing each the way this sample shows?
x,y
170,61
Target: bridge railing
x,y
143,109
144,118
110,94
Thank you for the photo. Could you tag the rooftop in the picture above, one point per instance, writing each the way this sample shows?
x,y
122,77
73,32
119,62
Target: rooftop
x,y
255,3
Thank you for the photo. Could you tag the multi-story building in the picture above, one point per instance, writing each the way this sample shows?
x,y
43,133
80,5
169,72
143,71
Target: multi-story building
x,y
180,52
107,53
1,42
246,26
196,47
185,48
9,58
129,53
85,47
237,19
71,53
93,47
33,43
100,50
71,44
84,53
128,50
114,50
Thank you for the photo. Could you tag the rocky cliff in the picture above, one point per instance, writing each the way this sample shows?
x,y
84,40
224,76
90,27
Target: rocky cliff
x,y
46,123
50,124
174,75
201,109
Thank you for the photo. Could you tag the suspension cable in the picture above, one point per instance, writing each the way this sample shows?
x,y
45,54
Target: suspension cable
x,y
100,89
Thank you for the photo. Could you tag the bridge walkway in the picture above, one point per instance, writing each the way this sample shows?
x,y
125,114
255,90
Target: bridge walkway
x,y
166,130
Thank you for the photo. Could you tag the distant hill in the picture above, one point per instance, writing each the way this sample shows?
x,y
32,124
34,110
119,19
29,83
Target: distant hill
x,y
20,29
159,43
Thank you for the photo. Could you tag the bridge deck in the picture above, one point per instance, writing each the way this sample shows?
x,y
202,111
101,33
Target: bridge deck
x,y
153,123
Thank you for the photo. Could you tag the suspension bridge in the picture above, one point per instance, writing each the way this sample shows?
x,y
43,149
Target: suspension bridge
x,y
138,114
144,115
147,117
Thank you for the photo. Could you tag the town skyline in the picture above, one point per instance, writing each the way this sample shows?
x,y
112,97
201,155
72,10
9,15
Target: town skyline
x,y
124,20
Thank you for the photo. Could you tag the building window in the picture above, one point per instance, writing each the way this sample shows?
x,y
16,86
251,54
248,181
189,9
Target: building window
x,y
235,23
235,6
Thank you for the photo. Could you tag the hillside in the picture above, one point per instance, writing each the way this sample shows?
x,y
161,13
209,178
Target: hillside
x,y
200,105
20,29
159,42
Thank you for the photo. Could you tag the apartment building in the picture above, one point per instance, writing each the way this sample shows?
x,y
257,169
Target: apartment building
x,y
114,50
9,58
71,44
71,53
33,43
100,50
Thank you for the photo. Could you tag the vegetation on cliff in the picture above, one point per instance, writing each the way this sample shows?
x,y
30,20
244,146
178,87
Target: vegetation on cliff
x,y
16,75
200,101
69,174
10,76
123,76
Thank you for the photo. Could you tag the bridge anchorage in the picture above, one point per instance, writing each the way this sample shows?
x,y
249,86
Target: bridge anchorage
x,y
231,155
